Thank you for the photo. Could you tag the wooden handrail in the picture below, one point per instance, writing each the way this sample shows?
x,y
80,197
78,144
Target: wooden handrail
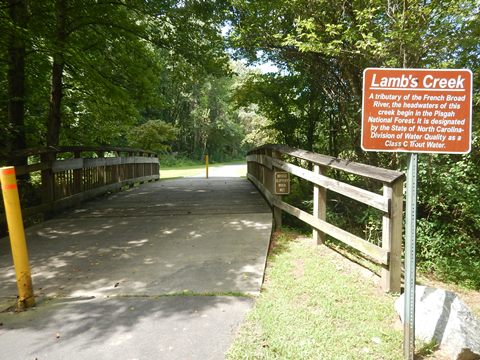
x,y
368,171
264,161
69,180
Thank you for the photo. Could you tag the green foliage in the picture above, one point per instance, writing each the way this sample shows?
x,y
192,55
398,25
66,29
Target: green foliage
x,y
257,128
201,107
115,55
449,219
423,350
321,48
154,135
300,196
134,71
174,160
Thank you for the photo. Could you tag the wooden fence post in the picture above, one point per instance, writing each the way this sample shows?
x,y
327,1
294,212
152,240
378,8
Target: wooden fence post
x,y
151,167
77,175
277,213
319,207
48,179
256,167
392,237
101,171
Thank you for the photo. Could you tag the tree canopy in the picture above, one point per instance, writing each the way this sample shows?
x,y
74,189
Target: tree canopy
x,y
175,77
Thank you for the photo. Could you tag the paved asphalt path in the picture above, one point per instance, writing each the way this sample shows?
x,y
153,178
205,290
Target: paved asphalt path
x,y
163,271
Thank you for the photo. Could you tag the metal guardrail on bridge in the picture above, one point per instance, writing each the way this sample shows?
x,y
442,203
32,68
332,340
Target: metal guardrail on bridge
x,y
64,176
265,160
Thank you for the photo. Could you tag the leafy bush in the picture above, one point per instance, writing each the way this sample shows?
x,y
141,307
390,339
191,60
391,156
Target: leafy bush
x,y
448,230
177,160
154,135
448,239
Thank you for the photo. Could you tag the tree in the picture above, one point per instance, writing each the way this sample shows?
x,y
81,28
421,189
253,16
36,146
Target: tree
x,y
17,15
324,46
92,67
154,135
329,44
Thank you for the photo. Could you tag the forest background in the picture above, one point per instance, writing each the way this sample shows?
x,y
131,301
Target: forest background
x,y
178,77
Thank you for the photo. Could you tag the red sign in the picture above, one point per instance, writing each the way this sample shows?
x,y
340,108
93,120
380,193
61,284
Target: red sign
x,y
417,110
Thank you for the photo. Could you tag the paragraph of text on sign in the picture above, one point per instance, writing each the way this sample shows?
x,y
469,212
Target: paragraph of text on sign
x,y
417,110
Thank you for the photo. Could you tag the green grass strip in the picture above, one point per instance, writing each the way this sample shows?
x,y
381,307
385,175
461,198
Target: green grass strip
x,y
189,293
197,170
313,307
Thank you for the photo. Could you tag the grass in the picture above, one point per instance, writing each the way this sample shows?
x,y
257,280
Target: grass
x,y
195,170
170,173
314,305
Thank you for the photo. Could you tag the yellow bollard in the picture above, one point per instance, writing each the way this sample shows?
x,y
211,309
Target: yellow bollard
x,y
206,165
17,237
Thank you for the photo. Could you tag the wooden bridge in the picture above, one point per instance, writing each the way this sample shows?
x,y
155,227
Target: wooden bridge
x,y
65,177
144,252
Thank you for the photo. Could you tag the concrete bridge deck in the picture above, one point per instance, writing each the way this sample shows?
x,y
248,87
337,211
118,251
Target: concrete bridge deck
x,y
155,272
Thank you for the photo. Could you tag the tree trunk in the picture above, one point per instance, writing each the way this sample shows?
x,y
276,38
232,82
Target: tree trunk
x,y
313,113
55,116
16,78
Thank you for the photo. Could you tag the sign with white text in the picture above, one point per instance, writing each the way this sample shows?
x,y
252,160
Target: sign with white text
x,y
282,183
417,110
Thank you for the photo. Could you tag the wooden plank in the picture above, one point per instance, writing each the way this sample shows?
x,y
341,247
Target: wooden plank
x,y
65,165
128,160
376,253
368,171
145,160
392,227
148,160
77,177
47,176
75,199
93,163
26,169
367,197
110,161
82,169
319,206
277,213
260,159
263,190
139,160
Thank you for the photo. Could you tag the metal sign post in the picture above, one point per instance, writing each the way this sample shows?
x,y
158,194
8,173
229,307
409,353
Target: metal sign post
x,y
410,273
416,111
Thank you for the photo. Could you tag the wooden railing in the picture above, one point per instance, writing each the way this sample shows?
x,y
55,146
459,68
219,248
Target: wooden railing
x,y
264,161
62,177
